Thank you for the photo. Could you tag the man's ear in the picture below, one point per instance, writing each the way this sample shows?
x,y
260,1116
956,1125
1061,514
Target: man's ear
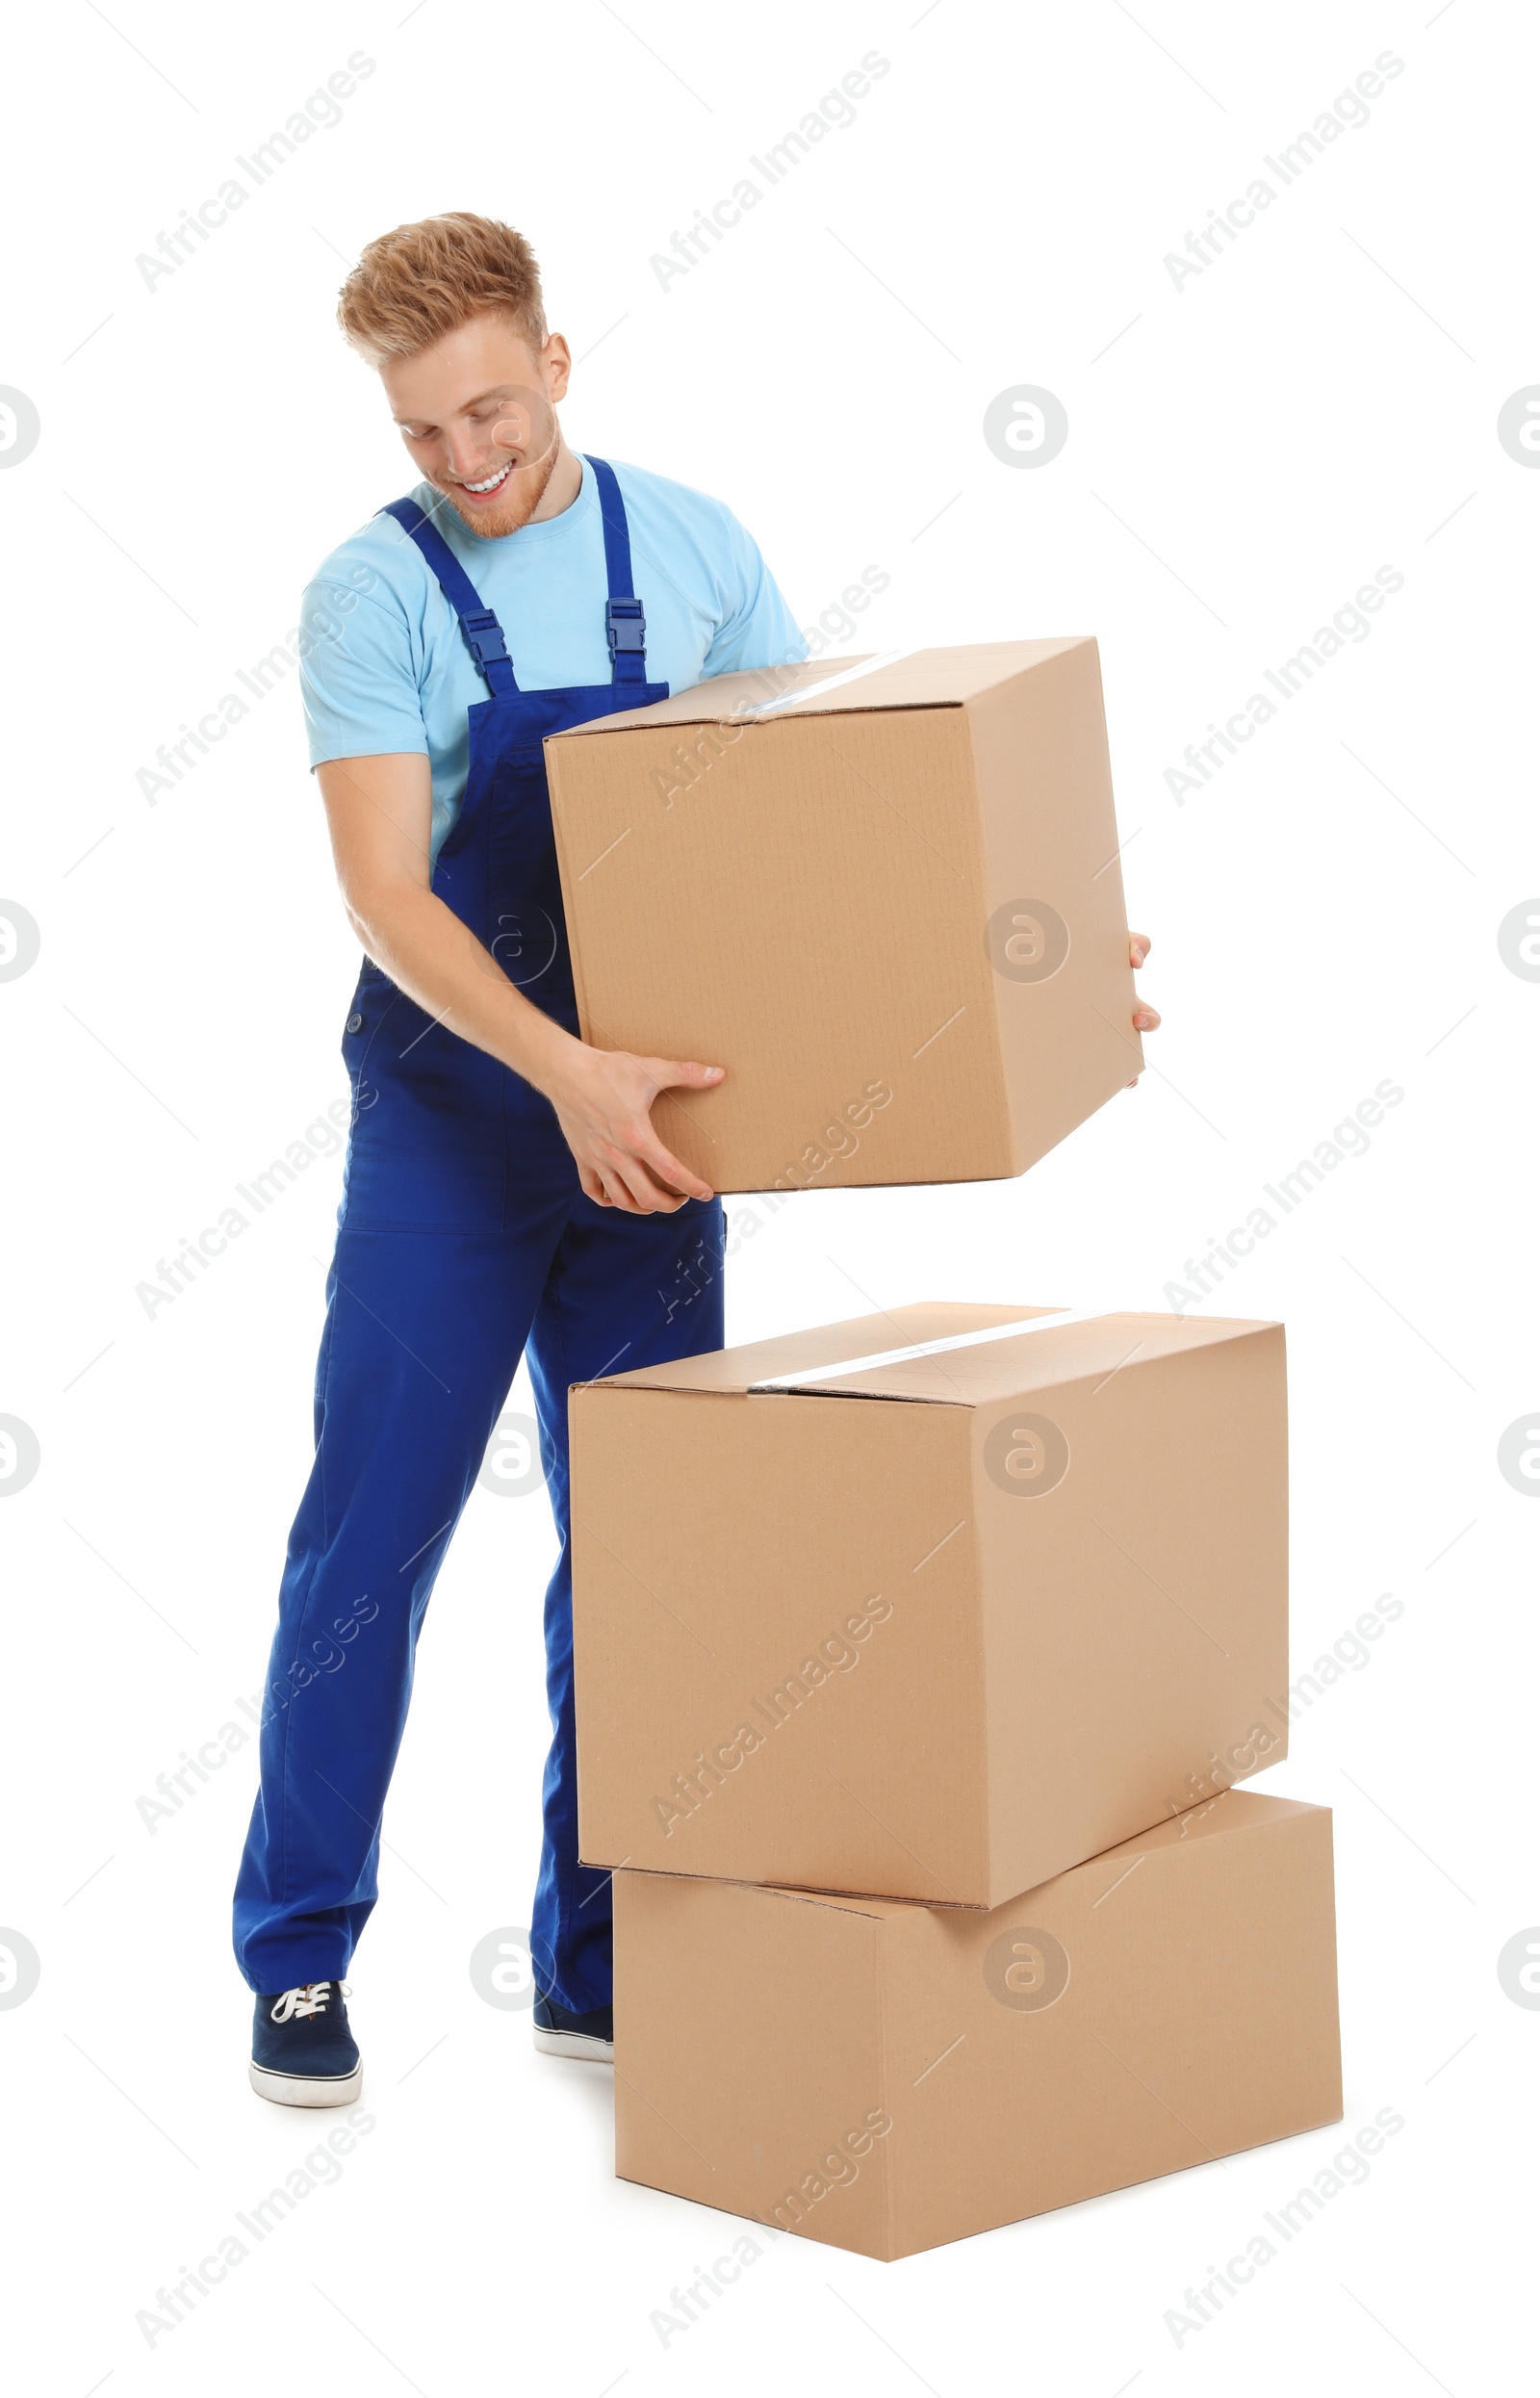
x,y
555,366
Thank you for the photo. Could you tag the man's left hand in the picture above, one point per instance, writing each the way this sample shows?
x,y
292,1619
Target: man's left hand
x,y
1145,1017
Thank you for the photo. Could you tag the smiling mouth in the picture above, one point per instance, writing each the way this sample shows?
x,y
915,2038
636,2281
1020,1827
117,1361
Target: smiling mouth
x,y
493,482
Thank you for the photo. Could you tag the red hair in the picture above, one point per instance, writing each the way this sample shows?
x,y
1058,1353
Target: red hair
x,y
413,286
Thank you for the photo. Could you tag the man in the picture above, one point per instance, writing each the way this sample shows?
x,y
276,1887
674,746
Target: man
x,y
505,1190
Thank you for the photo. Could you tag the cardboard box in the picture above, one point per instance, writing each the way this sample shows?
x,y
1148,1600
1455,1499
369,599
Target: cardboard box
x,y
933,1604
889,903
887,2078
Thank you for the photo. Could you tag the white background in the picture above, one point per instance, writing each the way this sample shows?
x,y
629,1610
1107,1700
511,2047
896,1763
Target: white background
x,y
1243,453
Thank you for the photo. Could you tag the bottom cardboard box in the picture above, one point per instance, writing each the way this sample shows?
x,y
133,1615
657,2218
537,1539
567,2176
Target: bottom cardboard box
x,y
885,2077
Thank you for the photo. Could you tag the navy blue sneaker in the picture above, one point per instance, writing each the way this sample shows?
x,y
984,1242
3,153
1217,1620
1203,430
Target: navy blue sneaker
x,y
558,2033
302,2052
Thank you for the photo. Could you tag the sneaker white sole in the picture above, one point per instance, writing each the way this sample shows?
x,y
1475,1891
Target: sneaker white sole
x,y
574,2044
306,2090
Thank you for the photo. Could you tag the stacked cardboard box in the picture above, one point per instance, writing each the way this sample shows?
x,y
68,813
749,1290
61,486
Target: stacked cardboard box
x,y
916,1654
887,2078
879,1626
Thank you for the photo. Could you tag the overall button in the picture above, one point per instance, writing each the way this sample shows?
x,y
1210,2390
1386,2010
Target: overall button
x,y
355,1023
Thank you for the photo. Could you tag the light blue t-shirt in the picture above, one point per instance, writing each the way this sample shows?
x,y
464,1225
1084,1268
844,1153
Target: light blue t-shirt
x,y
385,666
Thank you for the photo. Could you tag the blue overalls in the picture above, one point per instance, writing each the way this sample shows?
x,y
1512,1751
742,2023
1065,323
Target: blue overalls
x,y
463,1237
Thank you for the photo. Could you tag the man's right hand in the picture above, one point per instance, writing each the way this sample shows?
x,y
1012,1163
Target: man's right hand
x,y
604,1099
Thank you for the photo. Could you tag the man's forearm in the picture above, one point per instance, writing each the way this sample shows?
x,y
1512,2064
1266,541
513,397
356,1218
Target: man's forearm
x,y
437,960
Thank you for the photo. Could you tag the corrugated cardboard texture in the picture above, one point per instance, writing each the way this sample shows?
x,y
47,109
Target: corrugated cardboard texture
x,y
1136,1614
712,1641
1196,2014
803,2039
1045,789
1031,1677
813,901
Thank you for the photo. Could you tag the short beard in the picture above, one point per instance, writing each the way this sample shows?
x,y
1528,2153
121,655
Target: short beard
x,y
517,502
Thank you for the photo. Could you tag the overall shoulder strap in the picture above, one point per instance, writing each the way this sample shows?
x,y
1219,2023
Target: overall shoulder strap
x,y
624,622
483,634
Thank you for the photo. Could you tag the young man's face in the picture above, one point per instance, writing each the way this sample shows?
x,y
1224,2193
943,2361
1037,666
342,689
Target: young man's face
x,y
477,413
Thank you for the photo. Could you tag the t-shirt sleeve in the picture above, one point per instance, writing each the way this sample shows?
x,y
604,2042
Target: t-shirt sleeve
x,y
761,629
358,676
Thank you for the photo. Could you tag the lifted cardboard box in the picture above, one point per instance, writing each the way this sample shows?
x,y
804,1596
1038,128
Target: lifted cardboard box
x,y
887,2077
885,897
933,1604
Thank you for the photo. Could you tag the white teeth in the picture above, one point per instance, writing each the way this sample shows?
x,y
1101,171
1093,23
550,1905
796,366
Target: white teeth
x,y
491,481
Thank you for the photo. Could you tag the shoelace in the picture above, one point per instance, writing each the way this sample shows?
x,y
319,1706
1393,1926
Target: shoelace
x,y
311,1999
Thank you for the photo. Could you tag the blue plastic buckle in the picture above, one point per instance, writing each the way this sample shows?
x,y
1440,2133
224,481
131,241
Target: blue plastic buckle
x,y
484,635
627,628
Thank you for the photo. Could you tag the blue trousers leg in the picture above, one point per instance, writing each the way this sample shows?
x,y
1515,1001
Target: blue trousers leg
x,y
424,1334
